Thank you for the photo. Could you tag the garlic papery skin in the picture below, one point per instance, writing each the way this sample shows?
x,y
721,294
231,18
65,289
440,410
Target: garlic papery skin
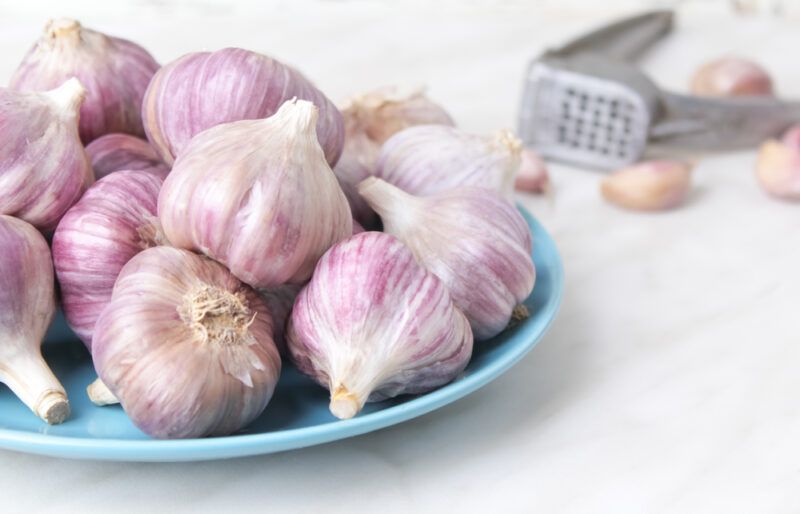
x,y
373,324
476,242
115,72
185,346
731,76
115,152
115,220
369,120
279,301
257,196
204,89
430,159
27,305
778,168
649,185
43,166
532,176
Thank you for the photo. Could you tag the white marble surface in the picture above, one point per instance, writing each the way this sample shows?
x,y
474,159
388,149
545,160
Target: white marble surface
x,y
670,381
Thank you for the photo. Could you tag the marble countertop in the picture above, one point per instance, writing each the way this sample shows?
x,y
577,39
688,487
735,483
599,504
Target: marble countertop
x,y
669,382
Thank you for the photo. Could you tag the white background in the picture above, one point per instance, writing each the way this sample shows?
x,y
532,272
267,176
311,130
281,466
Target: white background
x,y
670,381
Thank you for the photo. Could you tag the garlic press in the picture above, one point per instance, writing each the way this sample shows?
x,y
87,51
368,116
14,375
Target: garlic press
x,y
587,104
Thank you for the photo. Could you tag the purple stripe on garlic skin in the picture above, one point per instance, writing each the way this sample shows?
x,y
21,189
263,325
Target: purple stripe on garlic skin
x,y
257,196
115,72
201,90
185,346
373,324
115,220
472,239
27,305
115,152
44,169
429,159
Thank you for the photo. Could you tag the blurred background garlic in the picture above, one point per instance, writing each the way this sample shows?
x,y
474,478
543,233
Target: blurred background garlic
x,y
185,346
114,71
778,166
649,185
373,324
731,76
369,120
475,241
27,304
114,152
532,176
43,166
429,159
203,89
257,196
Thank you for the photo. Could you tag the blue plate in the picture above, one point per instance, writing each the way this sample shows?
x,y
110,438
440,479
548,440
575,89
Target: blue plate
x,y
296,417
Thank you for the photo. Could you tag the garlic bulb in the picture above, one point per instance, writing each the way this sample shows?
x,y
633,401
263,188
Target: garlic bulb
x,y
27,304
115,220
649,185
731,76
43,167
357,228
114,152
257,196
115,72
201,90
429,159
373,324
778,166
369,120
185,346
279,301
472,239
532,176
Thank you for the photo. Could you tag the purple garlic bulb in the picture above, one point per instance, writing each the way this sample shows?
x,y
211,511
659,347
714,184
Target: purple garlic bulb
x,y
257,196
114,152
369,120
472,239
43,167
185,346
532,176
27,304
430,159
279,301
115,71
201,90
731,76
373,324
115,220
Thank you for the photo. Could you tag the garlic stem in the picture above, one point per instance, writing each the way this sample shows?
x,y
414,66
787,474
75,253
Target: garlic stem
x,y
99,393
29,377
387,199
344,404
68,96
61,28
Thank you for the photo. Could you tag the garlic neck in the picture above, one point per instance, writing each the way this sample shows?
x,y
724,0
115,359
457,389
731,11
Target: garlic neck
x,y
64,30
344,403
506,140
398,210
34,383
217,316
68,97
300,115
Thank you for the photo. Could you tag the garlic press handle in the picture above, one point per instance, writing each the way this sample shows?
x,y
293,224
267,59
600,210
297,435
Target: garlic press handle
x,y
706,123
624,39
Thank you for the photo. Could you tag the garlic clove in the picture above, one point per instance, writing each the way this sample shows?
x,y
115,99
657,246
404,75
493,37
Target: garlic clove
x,y
100,394
43,166
27,305
532,176
778,168
115,220
373,324
115,152
429,159
731,76
648,186
185,346
279,301
257,196
115,71
201,90
477,243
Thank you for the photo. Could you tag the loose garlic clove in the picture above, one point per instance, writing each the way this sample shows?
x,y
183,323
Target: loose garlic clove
x,y
100,395
369,120
778,168
477,243
115,152
649,185
731,76
257,196
373,324
27,305
43,166
201,90
185,346
430,159
115,71
115,220
532,176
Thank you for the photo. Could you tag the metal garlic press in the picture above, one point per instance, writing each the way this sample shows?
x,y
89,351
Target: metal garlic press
x,y
585,103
